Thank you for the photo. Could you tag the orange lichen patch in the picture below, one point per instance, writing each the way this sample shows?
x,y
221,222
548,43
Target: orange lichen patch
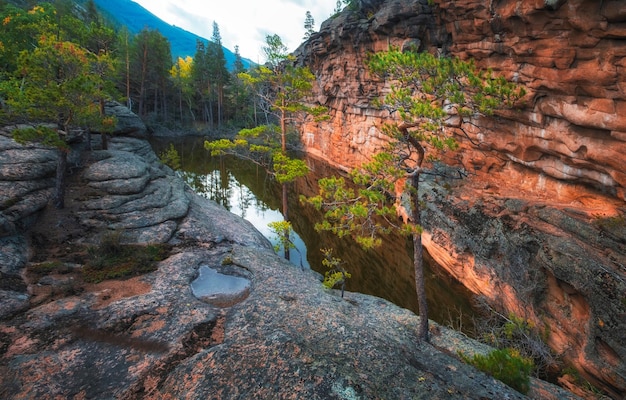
x,y
80,396
7,329
151,383
113,290
148,324
218,332
20,345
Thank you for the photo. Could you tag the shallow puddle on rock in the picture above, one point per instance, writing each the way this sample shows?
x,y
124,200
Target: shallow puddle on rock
x,y
219,289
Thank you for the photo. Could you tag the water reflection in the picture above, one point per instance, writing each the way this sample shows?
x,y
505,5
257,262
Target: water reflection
x,y
220,184
245,190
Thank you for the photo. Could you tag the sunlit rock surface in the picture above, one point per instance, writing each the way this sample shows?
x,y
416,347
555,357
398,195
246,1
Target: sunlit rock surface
x,y
538,227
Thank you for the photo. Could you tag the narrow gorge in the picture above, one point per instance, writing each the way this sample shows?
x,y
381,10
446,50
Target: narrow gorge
x,y
538,226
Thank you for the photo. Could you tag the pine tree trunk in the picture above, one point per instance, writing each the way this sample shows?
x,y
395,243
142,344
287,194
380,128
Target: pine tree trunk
x,y
418,262
59,189
283,139
286,217
103,134
104,140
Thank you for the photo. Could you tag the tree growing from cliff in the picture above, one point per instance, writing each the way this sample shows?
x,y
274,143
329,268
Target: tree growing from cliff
x,y
284,89
60,83
309,25
426,94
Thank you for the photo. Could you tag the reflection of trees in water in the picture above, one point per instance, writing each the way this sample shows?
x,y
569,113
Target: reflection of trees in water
x,y
386,272
222,187
209,186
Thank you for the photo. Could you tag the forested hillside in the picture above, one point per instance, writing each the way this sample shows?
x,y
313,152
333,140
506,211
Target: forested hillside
x,y
135,17
96,60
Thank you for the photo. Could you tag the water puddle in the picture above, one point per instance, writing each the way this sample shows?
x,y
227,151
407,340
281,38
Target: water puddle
x,y
219,289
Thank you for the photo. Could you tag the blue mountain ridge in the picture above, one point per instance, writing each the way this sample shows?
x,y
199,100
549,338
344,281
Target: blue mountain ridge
x,y
135,17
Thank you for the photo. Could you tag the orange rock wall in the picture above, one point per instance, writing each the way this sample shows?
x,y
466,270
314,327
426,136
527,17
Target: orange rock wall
x,y
571,55
543,174
572,60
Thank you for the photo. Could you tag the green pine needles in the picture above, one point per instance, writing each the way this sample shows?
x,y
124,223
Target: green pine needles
x,y
506,365
430,100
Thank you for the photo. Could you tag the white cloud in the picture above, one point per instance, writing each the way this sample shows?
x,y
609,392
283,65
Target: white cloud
x,y
243,22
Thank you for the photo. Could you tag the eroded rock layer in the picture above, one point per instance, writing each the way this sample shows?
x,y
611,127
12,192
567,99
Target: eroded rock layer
x,y
544,201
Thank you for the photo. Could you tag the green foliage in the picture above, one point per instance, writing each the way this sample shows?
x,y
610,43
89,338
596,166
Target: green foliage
x,y
506,365
520,334
574,376
40,134
287,169
309,25
142,64
149,64
517,325
364,214
426,92
113,260
48,267
336,274
21,31
421,85
282,89
275,51
283,231
59,82
170,157
351,4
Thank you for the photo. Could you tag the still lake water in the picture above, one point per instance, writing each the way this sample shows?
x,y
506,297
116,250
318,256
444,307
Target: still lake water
x,y
245,190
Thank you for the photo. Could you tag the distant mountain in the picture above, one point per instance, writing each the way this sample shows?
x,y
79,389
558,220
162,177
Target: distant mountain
x,y
135,17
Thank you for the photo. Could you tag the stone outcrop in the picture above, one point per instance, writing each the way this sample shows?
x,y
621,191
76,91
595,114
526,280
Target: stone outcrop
x,y
538,227
149,337
128,123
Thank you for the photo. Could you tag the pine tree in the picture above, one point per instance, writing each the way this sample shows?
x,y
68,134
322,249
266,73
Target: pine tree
x,y
218,73
56,83
426,91
284,88
150,64
238,66
309,25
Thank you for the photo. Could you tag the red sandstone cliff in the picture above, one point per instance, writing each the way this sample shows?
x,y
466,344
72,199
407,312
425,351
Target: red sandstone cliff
x,y
538,228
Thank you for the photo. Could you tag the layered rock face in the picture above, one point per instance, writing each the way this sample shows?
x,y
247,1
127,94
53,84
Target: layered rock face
x,y
538,227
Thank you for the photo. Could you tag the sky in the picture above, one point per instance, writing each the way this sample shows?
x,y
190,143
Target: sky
x,y
245,23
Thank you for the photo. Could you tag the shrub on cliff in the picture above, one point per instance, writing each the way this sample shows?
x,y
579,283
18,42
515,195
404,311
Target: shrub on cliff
x,y
506,365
